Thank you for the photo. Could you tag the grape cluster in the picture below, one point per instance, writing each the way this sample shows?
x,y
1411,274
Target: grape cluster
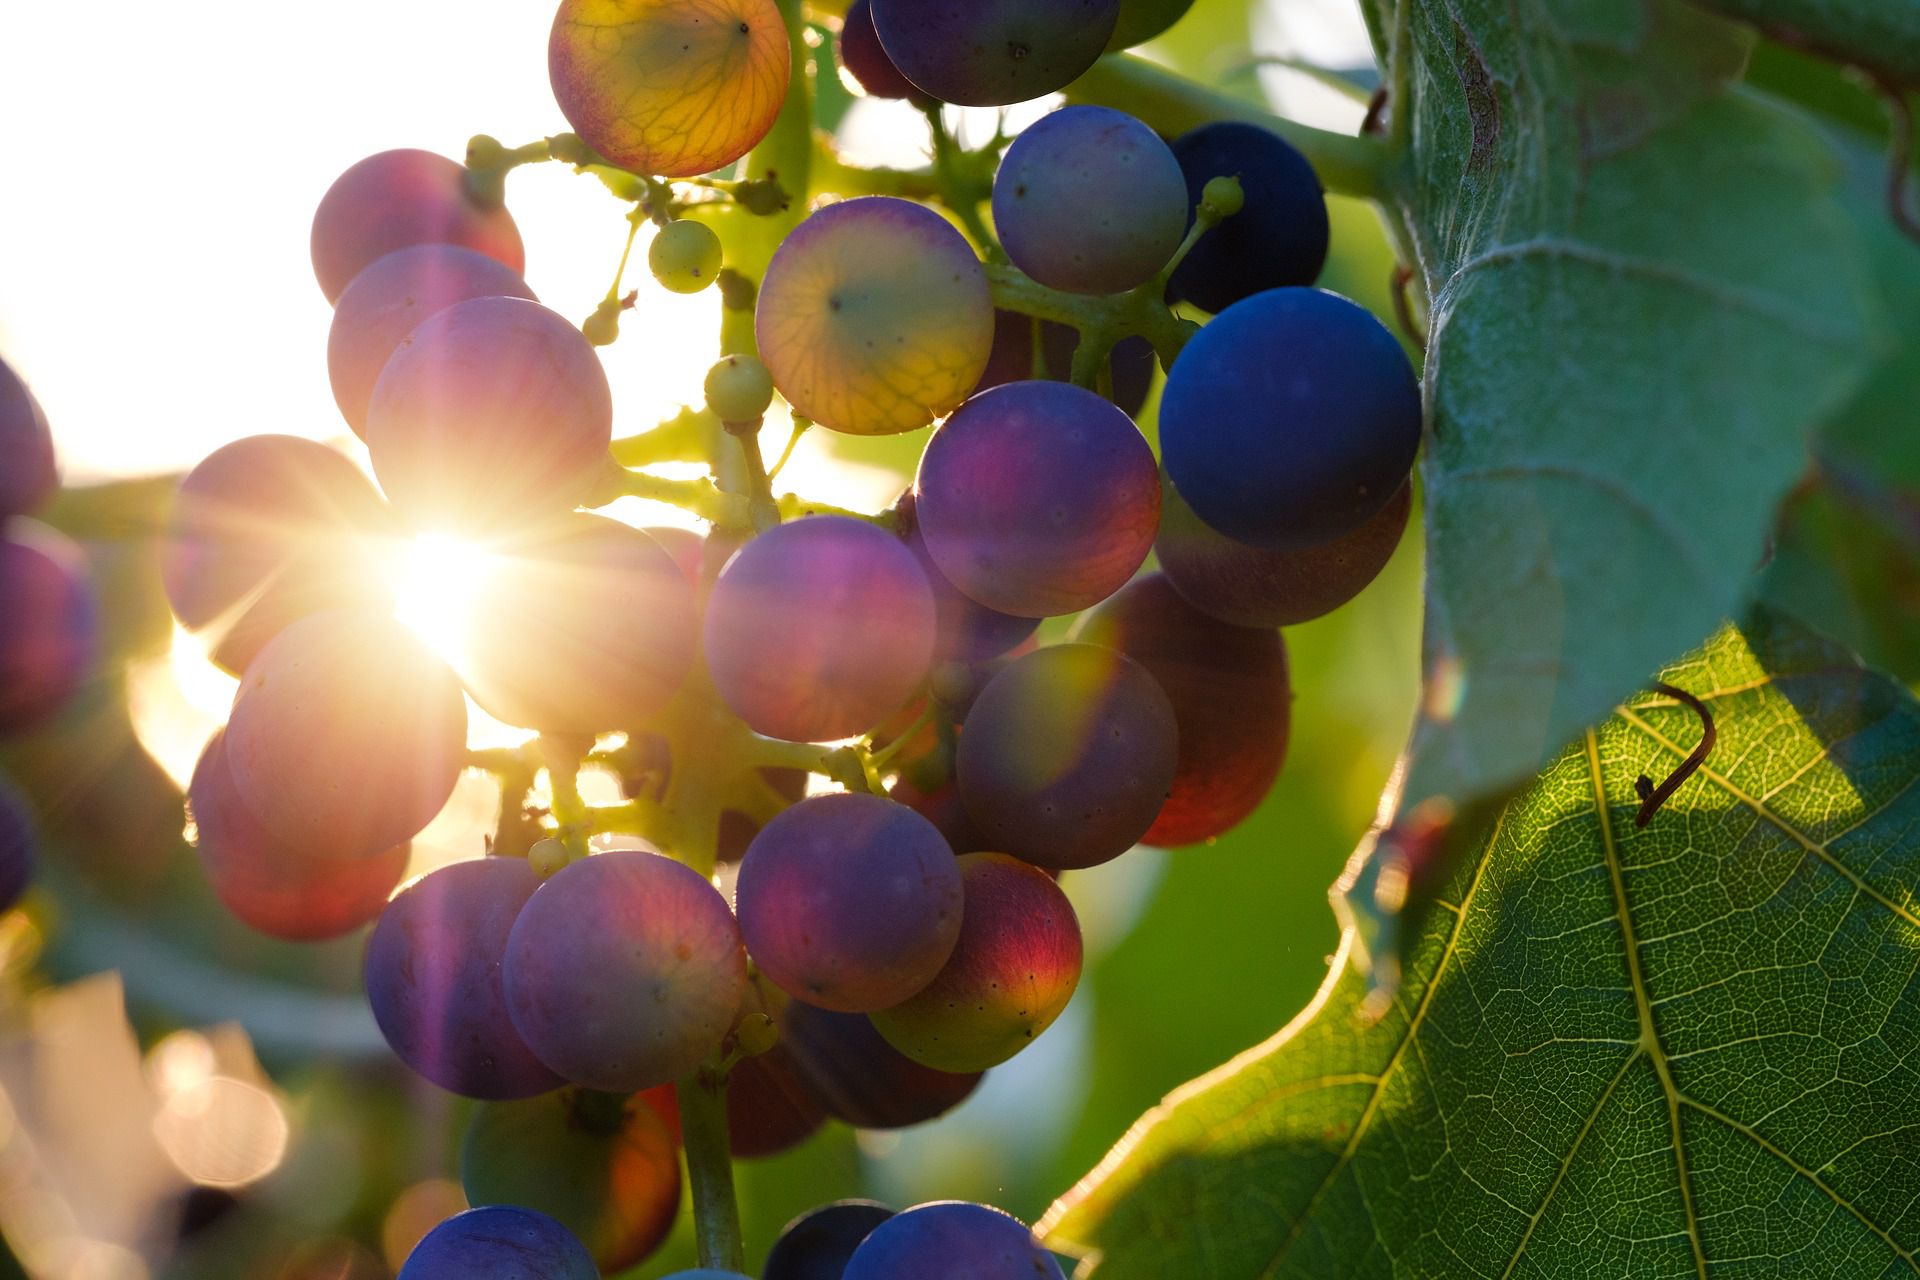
x,y
900,931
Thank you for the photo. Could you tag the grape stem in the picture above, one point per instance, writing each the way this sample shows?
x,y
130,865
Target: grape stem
x,y
702,1096
961,189
688,436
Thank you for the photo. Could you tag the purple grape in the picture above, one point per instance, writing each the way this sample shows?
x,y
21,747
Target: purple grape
x,y
624,971
399,198
818,628
499,1242
493,413
817,1244
1278,238
28,475
952,1240
283,888
49,622
265,531
1067,756
769,1107
434,980
866,63
1038,499
849,902
1291,419
17,844
1131,363
389,299
860,1078
1089,200
1257,587
348,734
967,631
989,53
944,809
584,626
1231,699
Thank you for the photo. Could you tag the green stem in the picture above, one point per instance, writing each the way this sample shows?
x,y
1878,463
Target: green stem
x,y
761,507
959,191
831,173
703,1129
1172,105
685,437
698,497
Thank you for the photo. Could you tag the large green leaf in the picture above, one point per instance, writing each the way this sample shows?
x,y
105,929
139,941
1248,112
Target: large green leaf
x,y
1687,1050
1882,34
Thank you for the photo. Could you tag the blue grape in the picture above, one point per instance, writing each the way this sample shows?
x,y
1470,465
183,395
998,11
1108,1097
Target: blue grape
x,y
990,53
348,733
1291,419
866,63
493,413
499,1242
286,889
433,972
17,844
1038,498
860,1078
49,623
849,902
1278,238
1257,587
1067,756
817,1244
1089,200
624,971
28,475
952,1240
1131,363
968,631
585,625
818,628
389,299
1231,698
399,198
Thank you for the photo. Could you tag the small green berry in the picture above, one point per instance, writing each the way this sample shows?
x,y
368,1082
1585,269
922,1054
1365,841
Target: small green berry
x,y
1223,196
603,326
739,389
685,256
546,857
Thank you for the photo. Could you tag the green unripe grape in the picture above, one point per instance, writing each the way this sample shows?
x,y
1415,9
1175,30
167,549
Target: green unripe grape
x,y
739,389
602,328
685,256
546,857
1223,197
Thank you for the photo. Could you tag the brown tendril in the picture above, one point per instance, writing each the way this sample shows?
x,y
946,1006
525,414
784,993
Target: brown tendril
x,y
1652,797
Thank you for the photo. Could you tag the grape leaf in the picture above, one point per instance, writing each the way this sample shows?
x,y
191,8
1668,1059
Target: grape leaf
x,y
1882,34
1687,1050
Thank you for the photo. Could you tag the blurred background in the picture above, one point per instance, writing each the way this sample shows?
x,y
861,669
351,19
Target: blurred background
x,y
182,1098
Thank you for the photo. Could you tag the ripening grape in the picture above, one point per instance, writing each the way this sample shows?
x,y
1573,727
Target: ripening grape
x,y
605,1166
1257,587
818,628
865,63
49,622
17,844
28,475
860,1078
817,1244
875,317
1291,419
433,976
1230,695
1038,498
669,87
624,971
399,198
739,389
265,531
389,299
1089,200
1142,20
1067,756
968,631
347,733
283,888
1279,236
770,1109
1130,364
952,1240
493,413
990,53
499,1242
1013,969
849,902
685,256
583,626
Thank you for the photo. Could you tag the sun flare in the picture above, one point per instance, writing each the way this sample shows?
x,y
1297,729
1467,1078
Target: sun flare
x,y
437,580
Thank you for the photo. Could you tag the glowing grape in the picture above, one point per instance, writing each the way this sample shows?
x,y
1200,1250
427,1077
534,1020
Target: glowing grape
x,y
49,622
670,87
28,475
989,53
739,389
685,256
499,1242
399,198
875,317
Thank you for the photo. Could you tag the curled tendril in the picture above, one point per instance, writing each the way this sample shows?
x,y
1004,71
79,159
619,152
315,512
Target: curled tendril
x,y
1652,797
